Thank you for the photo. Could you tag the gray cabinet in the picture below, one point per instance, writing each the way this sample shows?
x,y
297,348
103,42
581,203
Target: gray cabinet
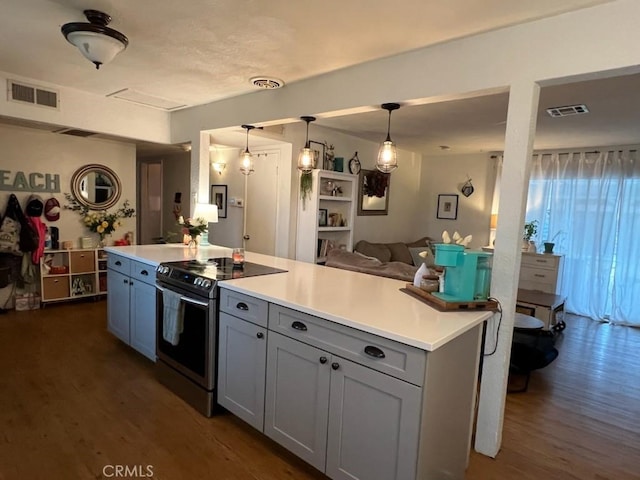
x,y
242,353
346,419
131,304
354,405
142,327
373,428
118,305
297,398
241,369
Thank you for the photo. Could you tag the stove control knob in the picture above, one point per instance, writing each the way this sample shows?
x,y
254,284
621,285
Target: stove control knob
x,y
198,281
206,283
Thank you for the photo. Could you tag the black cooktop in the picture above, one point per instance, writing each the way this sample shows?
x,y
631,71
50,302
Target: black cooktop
x,y
222,268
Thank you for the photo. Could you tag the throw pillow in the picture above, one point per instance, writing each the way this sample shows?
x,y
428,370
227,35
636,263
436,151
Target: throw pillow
x,y
418,260
378,250
399,253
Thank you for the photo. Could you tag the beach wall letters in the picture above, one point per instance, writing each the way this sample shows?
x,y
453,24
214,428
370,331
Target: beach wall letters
x,y
29,182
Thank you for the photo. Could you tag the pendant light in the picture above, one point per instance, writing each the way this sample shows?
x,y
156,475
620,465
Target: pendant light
x,y
306,158
97,42
246,159
388,154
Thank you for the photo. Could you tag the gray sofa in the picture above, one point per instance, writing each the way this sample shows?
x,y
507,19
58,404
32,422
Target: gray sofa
x,y
392,260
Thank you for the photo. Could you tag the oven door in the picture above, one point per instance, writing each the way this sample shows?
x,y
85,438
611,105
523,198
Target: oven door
x,y
194,355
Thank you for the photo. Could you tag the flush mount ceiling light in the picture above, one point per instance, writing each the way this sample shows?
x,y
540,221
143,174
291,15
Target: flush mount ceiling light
x,y
388,154
246,159
97,42
306,158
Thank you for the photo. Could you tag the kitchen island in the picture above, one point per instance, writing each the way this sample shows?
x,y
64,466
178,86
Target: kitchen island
x,y
342,368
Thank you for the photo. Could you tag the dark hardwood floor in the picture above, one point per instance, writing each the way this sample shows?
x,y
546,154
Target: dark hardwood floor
x,y
74,400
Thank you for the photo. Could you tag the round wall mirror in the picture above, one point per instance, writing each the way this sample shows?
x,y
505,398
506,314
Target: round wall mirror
x,y
96,186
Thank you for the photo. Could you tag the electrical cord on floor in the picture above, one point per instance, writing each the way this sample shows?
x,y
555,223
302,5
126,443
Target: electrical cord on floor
x,y
497,335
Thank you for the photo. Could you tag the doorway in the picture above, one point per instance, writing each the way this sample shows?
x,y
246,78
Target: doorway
x,y
149,201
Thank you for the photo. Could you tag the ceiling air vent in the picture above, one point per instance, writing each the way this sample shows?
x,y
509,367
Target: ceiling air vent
x,y
568,110
25,93
266,82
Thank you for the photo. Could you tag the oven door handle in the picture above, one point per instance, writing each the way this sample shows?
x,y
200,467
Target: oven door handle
x,y
194,302
187,299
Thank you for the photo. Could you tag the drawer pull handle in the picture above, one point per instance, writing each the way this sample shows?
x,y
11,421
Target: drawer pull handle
x,y
126,281
335,365
260,335
539,275
299,326
373,351
242,306
323,360
118,263
144,272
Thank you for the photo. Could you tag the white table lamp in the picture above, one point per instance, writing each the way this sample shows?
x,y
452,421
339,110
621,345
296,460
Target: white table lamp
x,y
209,212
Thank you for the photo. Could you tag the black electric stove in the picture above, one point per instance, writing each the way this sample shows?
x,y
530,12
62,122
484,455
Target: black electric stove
x,y
202,277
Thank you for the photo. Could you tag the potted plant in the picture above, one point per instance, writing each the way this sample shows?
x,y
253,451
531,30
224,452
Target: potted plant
x,y
549,244
530,230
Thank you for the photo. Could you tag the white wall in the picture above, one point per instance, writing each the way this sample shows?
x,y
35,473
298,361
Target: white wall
x,y
30,150
445,175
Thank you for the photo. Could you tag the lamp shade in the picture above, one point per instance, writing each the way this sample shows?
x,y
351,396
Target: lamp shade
x,y
246,162
306,160
207,211
97,42
387,157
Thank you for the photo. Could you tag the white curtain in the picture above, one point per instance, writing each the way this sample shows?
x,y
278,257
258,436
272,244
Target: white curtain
x,y
588,204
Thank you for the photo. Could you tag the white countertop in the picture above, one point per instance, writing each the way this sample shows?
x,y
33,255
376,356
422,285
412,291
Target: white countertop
x,y
169,252
366,302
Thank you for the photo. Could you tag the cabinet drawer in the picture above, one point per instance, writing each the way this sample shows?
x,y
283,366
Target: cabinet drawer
x,y
540,261
119,264
143,272
244,306
541,276
83,261
55,287
393,358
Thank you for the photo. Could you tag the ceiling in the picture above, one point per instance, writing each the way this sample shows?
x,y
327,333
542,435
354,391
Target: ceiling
x,y
211,49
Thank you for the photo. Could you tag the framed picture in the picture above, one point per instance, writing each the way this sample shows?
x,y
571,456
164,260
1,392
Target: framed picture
x,y
219,197
447,207
373,193
322,217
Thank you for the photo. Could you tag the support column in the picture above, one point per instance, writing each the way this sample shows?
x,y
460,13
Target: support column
x,y
514,185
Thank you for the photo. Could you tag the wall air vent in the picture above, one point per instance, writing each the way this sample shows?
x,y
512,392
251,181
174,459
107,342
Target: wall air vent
x,y
74,132
25,93
568,110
